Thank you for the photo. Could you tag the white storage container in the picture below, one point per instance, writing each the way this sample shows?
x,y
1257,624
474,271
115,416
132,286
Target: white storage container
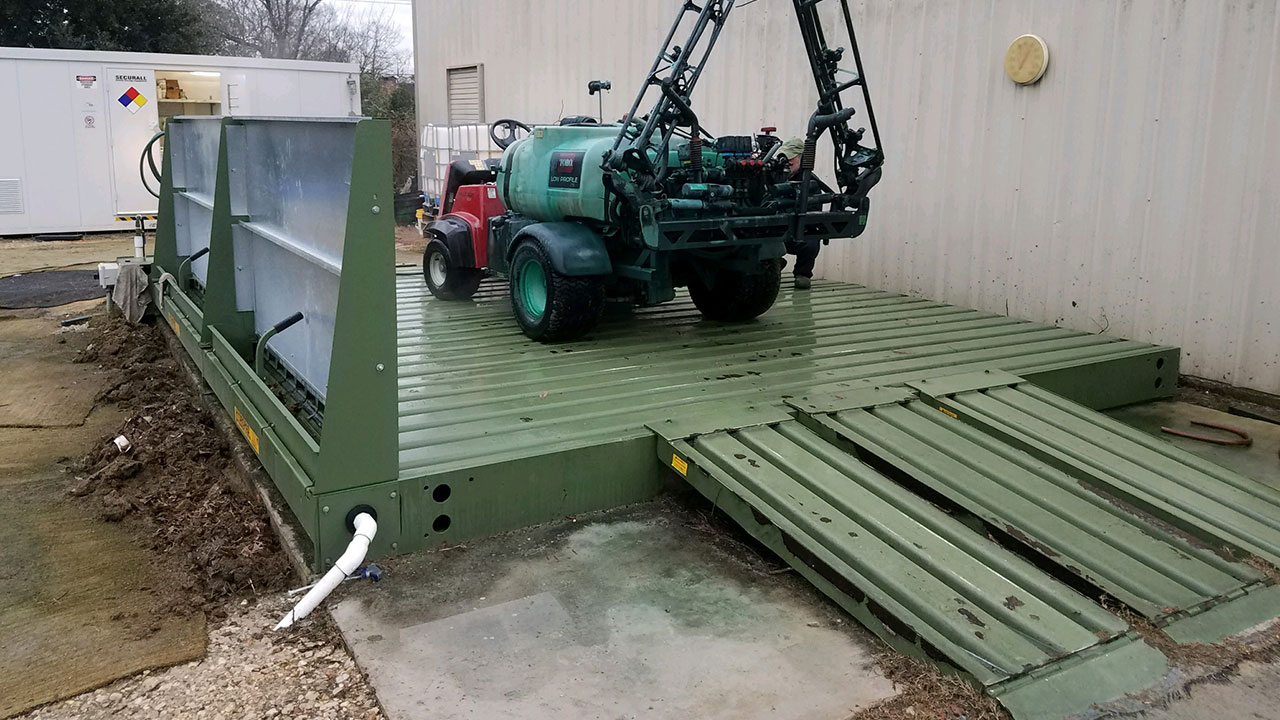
x,y
73,123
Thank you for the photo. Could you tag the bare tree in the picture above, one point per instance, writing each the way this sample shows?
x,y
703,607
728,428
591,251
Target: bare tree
x,y
312,30
373,43
292,29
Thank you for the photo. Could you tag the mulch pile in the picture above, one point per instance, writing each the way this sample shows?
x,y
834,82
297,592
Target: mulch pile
x,y
176,487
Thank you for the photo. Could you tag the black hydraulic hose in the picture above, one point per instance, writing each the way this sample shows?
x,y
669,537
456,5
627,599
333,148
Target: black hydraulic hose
x,y
148,159
260,349
819,123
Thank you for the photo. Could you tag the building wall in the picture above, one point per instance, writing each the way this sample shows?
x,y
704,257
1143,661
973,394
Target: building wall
x,y
1134,190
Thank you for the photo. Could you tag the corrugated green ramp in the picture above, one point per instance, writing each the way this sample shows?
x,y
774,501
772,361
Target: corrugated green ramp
x,y
971,519
1047,511
1210,502
921,579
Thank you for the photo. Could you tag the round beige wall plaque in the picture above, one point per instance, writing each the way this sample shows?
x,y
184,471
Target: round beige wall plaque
x,y
1027,59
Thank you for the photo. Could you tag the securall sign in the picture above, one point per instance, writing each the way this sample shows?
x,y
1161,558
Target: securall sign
x,y
132,99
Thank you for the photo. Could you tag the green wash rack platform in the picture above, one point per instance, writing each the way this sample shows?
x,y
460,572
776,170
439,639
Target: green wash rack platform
x,y
941,473
522,433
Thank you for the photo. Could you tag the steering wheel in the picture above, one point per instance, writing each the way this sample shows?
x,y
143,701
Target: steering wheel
x,y
508,128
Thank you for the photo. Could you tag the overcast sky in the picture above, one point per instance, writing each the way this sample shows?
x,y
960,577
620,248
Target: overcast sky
x,y
399,11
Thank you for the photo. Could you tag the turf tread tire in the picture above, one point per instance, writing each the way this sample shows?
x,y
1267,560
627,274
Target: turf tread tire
x,y
574,303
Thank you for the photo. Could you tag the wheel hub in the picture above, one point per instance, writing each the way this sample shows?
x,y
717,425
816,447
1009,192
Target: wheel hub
x,y
533,288
438,269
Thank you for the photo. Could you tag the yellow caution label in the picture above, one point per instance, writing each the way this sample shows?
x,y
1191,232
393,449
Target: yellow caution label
x,y
949,413
681,466
247,431
173,323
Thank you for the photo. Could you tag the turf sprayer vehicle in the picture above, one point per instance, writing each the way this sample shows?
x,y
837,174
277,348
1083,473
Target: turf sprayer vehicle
x,y
580,211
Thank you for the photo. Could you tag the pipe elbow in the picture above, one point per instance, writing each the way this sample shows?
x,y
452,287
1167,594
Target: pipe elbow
x,y
366,529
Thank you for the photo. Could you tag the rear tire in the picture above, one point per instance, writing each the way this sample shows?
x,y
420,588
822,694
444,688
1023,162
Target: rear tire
x,y
736,296
444,278
550,306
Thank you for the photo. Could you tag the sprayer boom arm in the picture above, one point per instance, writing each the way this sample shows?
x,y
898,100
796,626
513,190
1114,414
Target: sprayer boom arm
x,y
678,67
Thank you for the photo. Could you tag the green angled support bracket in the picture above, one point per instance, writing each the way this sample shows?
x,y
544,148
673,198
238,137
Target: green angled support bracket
x,y
194,210
299,314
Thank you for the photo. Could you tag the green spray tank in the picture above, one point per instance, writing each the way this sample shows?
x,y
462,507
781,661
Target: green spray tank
x,y
555,173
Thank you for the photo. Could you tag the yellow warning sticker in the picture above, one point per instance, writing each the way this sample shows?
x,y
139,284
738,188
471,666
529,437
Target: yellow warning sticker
x,y
681,466
247,431
173,323
948,412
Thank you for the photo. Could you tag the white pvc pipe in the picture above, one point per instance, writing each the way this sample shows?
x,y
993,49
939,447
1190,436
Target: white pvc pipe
x,y
366,529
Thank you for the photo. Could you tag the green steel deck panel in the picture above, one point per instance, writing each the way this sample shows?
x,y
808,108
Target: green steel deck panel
x,y
473,390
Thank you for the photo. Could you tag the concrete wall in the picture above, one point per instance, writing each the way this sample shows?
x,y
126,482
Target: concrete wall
x,y
1134,190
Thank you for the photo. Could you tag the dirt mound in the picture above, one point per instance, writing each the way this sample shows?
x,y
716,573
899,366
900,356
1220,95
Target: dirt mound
x,y
176,486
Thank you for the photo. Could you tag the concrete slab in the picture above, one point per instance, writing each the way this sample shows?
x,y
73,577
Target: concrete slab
x,y
1260,461
643,611
1252,692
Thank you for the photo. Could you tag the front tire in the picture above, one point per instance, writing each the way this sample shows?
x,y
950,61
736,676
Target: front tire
x,y
550,306
444,278
733,296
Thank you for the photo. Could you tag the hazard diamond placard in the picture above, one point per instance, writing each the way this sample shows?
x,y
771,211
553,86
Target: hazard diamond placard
x,y
132,100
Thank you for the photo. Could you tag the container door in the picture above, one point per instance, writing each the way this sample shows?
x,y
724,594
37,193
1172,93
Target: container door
x,y
93,148
131,112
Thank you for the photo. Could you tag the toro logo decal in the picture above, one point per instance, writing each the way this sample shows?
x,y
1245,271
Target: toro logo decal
x,y
132,100
566,170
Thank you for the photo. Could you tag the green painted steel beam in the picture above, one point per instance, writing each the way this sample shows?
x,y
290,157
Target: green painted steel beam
x,y
164,252
486,499
1121,379
1076,686
186,321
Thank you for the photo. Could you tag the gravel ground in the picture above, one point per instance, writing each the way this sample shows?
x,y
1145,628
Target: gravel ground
x,y
249,672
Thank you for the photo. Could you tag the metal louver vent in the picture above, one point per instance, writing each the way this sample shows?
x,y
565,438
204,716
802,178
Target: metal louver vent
x,y
11,196
466,95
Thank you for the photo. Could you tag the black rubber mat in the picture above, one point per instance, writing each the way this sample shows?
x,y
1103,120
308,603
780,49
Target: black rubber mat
x,y
49,289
